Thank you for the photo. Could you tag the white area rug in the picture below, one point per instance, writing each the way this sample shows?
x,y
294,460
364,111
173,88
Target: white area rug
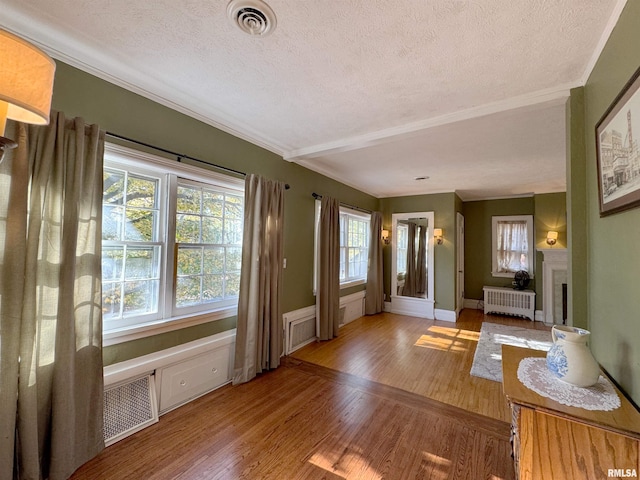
x,y
487,362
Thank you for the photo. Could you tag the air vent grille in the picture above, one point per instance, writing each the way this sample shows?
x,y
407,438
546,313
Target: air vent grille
x,y
252,16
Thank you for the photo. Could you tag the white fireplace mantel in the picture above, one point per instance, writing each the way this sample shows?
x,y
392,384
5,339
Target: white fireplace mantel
x,y
555,260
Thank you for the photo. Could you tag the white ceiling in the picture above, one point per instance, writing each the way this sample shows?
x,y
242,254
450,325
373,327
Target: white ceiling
x,y
372,93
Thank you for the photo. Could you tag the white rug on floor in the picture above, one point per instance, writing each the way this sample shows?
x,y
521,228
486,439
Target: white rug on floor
x,y
487,362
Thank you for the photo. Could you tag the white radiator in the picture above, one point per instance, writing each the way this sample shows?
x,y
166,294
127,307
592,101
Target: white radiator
x,y
509,301
129,407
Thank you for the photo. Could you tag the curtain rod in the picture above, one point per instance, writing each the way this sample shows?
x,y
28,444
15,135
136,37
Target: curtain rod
x,y
317,196
180,156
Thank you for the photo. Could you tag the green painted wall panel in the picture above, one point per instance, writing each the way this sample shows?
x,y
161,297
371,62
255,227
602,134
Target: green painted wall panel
x,y
477,248
577,210
613,258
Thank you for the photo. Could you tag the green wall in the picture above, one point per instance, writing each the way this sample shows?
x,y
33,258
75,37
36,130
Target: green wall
x,y
549,213
613,252
444,207
577,211
477,240
119,111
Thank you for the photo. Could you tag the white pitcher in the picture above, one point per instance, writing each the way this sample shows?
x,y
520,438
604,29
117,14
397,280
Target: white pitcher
x,y
570,359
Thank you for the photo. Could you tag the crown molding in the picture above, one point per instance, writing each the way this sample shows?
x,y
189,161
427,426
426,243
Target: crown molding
x,y
81,54
604,38
555,94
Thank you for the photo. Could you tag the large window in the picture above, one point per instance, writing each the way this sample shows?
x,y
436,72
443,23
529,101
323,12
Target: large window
x,y
171,241
354,246
512,239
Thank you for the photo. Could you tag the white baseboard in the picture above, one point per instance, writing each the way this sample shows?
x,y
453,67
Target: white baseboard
x,y
300,313
445,315
353,305
539,316
386,307
472,303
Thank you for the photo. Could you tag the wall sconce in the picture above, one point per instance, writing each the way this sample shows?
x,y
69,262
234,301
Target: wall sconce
x,y
386,238
552,238
26,85
437,234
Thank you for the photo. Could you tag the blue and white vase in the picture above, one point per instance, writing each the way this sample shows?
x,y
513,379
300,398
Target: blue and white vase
x,y
570,359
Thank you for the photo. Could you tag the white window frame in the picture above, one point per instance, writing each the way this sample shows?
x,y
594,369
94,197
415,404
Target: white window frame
x,y
528,219
167,319
345,214
316,245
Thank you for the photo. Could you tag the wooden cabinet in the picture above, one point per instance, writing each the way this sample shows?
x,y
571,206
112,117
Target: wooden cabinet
x,y
552,441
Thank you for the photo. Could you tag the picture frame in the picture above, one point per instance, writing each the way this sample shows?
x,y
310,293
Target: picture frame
x,y
618,151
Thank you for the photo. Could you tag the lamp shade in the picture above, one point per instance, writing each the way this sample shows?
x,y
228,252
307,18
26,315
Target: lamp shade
x,y
437,232
26,80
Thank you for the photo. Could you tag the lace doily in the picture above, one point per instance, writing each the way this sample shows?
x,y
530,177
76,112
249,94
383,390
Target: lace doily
x,y
535,375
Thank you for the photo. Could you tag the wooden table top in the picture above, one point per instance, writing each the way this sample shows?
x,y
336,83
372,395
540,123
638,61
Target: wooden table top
x,y
625,419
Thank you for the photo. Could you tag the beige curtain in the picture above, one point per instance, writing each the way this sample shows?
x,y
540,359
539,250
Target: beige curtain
x,y
409,289
421,262
51,387
328,294
259,332
374,299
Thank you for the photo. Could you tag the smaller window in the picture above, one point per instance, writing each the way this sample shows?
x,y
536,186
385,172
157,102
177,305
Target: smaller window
x,y
512,245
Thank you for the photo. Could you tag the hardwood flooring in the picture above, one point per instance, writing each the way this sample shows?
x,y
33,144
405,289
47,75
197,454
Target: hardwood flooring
x,y
391,398
426,357
303,421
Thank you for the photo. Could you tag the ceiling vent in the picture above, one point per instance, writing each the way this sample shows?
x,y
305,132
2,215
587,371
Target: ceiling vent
x,y
252,16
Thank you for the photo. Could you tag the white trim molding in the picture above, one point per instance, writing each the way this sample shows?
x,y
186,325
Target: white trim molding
x,y
415,307
473,303
445,315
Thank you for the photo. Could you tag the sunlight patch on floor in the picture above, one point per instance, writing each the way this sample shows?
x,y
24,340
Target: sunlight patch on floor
x,y
353,460
447,339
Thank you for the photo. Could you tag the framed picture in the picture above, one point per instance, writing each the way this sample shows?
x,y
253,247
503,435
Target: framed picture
x,y
618,151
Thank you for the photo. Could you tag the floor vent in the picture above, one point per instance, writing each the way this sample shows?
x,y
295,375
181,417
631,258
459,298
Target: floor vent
x,y
129,407
299,328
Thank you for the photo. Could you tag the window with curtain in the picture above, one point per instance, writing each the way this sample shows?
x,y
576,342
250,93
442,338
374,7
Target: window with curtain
x,y
354,245
401,248
171,241
512,240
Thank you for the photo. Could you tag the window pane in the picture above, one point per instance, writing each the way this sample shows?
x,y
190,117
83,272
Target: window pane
x,y
188,200
214,260
111,296
213,288
112,222
188,291
189,261
234,259
140,297
113,187
211,230
213,204
142,263
140,226
141,192
233,207
112,263
187,228
233,232
233,285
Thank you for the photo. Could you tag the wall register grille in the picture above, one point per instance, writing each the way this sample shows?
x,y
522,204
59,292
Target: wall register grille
x,y
129,407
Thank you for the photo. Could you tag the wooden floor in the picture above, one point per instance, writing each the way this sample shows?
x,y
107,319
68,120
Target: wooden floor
x,y
364,406
425,357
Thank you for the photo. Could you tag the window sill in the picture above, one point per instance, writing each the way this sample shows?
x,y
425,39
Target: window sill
x,y
156,327
353,283
507,275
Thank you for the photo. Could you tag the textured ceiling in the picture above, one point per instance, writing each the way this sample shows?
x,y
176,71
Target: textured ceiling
x,y
372,93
